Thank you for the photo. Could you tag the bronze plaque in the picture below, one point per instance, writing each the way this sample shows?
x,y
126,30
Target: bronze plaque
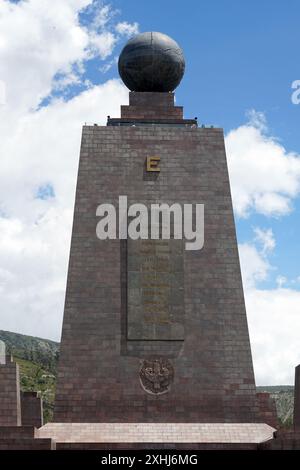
x,y
155,290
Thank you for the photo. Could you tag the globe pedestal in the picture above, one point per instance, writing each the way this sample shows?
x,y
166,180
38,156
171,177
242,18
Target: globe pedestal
x,y
151,107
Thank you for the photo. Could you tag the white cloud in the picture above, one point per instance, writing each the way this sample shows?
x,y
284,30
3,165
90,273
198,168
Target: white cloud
x,y
255,267
102,44
44,48
37,42
34,239
266,238
281,281
264,176
127,29
108,65
40,40
274,324
51,153
32,278
257,119
273,315
265,179
254,257
102,15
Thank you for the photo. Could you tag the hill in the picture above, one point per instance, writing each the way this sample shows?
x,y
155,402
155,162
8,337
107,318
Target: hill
x,y
284,399
37,359
40,351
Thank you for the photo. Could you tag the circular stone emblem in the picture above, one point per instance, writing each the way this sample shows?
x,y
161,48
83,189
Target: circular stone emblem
x,y
156,375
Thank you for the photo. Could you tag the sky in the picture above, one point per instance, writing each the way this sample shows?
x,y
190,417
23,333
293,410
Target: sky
x,y
58,70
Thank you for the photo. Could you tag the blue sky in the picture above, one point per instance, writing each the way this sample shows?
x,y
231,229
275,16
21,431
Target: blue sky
x,y
58,70
239,56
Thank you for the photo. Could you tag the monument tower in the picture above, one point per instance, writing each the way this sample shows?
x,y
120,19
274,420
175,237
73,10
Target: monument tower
x,y
153,332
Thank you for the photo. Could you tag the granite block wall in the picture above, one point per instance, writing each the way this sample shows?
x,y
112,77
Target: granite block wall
x,y
32,409
10,405
209,370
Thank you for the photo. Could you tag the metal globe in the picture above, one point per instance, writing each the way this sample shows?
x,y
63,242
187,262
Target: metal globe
x,y
151,61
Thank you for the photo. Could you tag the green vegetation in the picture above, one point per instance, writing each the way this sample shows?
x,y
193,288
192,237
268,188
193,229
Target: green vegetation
x,y
40,351
284,399
35,378
38,364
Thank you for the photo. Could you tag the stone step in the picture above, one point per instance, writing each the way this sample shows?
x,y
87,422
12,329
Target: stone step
x,y
17,432
146,446
26,444
284,440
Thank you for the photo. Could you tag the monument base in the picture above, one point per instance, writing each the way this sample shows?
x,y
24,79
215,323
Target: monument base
x,y
157,435
23,438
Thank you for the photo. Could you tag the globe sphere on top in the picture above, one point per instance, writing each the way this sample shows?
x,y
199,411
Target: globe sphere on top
x,y
151,62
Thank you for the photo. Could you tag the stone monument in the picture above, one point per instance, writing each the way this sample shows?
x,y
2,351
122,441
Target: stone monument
x,y
154,332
